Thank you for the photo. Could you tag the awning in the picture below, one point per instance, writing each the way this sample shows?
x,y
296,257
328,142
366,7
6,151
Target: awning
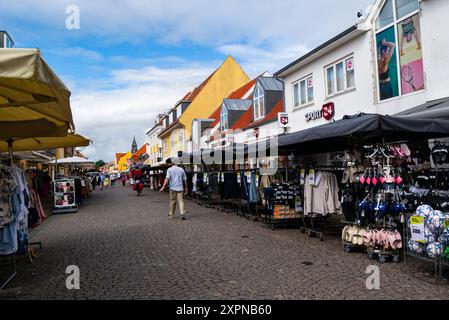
x,y
33,100
362,128
436,109
69,141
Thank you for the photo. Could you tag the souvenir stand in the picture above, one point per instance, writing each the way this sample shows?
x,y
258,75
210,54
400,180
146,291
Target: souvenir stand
x,y
375,188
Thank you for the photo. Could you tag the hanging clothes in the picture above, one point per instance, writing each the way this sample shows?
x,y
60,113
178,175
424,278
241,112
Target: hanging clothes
x,y
253,194
14,203
321,196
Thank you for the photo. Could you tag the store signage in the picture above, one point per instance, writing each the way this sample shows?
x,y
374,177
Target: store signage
x,y
327,112
417,229
283,120
256,132
350,64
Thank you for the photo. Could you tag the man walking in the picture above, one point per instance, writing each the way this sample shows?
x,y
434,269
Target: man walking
x,y
177,179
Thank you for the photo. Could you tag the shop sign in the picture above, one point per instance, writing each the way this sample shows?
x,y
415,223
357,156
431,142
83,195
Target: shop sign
x,y
417,229
256,133
327,112
283,120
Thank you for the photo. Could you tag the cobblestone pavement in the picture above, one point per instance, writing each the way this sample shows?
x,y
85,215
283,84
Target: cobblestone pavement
x,y
126,248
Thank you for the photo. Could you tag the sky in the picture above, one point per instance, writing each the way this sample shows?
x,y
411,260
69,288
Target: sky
x,y
132,59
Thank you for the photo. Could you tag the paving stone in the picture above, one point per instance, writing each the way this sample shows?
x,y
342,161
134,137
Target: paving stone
x,y
126,248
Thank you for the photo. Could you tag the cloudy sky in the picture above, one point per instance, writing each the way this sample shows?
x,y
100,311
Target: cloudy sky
x,y
132,59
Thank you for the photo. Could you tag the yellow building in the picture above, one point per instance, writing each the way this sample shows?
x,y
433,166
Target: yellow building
x,y
123,163
199,104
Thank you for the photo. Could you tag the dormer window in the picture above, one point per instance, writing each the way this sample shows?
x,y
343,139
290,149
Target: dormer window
x,y
224,119
259,103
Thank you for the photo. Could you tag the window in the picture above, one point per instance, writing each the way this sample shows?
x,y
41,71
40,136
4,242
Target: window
x,y
224,119
181,140
259,103
340,77
400,67
386,15
172,142
303,92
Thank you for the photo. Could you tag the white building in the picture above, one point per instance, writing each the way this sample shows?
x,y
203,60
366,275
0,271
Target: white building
x,y
395,58
154,149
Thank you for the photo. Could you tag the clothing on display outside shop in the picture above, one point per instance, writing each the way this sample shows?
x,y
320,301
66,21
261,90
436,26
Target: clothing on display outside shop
x,y
321,195
14,203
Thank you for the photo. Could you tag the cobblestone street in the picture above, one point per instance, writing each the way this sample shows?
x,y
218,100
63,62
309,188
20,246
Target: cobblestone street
x,y
126,248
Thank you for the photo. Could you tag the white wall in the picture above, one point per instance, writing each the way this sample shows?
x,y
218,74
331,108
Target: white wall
x,y
435,40
435,34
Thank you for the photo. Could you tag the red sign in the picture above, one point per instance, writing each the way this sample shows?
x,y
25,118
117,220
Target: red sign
x,y
328,111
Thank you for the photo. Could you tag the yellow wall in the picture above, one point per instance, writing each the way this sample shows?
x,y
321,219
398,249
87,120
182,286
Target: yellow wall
x,y
228,78
123,163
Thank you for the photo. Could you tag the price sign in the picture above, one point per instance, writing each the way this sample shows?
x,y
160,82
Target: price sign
x,y
417,229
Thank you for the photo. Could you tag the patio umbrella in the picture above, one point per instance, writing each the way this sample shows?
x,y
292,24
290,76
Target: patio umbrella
x,y
30,144
34,102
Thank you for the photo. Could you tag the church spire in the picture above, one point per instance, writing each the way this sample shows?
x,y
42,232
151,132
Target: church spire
x,y
134,146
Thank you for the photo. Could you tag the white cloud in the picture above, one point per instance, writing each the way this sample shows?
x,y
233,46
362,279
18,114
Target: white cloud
x,y
213,23
111,116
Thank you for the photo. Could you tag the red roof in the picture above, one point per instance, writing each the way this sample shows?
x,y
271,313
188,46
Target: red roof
x,y
246,121
141,151
237,94
118,156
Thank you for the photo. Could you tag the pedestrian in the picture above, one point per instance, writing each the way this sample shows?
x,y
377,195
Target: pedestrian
x,y
177,179
94,182
101,180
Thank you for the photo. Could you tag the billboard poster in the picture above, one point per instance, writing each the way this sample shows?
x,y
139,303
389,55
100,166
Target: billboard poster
x,y
387,64
411,58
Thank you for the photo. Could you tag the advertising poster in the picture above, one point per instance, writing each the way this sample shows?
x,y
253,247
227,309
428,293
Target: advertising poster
x,y
410,53
387,64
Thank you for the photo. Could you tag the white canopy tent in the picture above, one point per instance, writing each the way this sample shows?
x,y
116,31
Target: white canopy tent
x,y
71,161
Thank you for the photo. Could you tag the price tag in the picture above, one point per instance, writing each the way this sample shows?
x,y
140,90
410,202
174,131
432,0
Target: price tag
x,y
417,229
312,177
302,177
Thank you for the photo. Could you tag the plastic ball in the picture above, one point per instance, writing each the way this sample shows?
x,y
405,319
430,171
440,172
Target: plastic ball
x,y
434,250
435,221
415,247
445,237
424,210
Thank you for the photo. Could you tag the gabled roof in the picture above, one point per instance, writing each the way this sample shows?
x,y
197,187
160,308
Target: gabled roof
x,y
270,84
140,152
237,94
237,104
189,97
118,156
246,120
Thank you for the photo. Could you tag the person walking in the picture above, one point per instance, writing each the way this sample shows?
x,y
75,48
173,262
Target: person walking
x,y
177,179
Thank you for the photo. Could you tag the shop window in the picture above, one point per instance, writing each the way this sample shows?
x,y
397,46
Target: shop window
x,y
399,52
386,15
259,103
303,92
340,77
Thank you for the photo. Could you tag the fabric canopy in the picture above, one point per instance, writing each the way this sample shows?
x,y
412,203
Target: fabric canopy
x,y
366,128
31,96
437,109
71,160
69,141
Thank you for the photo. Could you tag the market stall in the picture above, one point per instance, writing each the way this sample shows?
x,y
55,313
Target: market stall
x,y
33,103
